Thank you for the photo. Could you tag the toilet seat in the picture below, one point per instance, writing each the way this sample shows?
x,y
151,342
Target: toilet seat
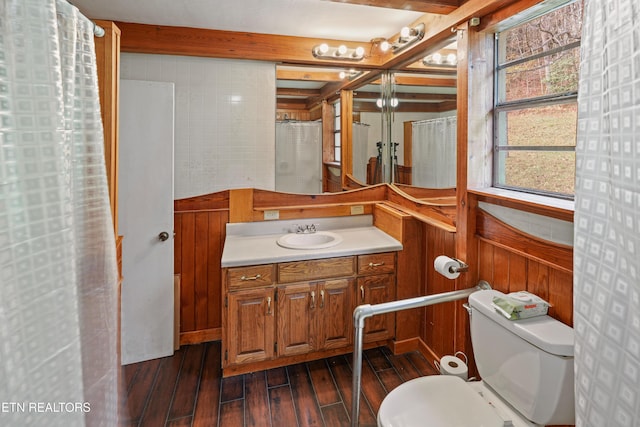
x,y
441,401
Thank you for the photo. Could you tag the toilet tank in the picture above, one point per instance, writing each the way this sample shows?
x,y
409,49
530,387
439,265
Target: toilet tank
x,y
528,362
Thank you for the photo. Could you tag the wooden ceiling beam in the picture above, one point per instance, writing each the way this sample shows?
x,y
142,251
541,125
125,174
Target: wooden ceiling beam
x,y
407,107
159,39
405,80
291,104
307,75
427,81
291,91
442,7
409,96
142,38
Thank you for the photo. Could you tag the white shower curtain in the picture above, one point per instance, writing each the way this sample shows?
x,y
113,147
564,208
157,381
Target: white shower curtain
x,y
434,153
299,157
607,224
58,273
360,151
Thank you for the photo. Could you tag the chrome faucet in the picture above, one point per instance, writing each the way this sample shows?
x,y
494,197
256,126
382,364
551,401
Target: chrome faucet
x,y
306,229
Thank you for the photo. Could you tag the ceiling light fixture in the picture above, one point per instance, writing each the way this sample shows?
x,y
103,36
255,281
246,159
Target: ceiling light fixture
x,y
408,36
324,51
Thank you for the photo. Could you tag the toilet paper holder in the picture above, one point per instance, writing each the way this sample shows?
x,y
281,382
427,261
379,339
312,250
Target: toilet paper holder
x,y
461,268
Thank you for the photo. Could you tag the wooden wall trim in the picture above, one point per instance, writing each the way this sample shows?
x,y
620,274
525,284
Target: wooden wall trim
x,y
552,254
196,337
441,212
213,201
352,183
265,199
108,69
433,195
346,134
524,205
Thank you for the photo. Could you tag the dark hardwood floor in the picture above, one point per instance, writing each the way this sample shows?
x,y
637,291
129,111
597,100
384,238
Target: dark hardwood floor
x,y
187,389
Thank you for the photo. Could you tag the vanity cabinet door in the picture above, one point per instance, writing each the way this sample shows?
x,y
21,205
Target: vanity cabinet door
x,y
374,290
297,310
251,325
335,313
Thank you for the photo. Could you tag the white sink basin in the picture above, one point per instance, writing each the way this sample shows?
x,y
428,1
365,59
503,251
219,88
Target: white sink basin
x,y
317,240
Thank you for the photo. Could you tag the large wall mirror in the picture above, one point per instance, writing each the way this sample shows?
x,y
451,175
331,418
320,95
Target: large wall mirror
x,y
404,124
408,118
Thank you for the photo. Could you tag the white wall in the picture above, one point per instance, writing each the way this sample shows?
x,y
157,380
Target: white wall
x,y
224,119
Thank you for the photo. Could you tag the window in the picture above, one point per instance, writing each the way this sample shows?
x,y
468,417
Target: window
x,y
535,111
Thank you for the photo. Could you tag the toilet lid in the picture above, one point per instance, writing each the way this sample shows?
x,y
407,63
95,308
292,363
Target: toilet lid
x,y
437,401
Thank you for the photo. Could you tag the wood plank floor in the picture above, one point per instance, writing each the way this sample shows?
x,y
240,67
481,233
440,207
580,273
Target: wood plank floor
x,y
187,389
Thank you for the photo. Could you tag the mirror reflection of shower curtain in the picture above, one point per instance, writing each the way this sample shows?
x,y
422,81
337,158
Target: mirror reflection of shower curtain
x,y
299,157
434,153
361,156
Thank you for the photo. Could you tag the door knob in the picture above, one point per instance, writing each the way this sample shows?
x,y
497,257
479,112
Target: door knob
x,y
163,236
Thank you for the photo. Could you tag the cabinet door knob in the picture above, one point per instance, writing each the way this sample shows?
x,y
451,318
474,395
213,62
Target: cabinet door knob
x,y
313,299
163,236
245,278
268,305
376,264
362,292
322,298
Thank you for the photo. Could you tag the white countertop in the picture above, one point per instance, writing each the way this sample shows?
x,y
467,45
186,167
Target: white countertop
x,y
255,243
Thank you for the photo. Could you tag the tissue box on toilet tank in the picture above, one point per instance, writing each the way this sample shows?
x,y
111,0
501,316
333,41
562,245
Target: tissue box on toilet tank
x,y
520,305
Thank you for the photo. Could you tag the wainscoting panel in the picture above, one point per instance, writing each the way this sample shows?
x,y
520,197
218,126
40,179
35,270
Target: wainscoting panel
x,y
513,261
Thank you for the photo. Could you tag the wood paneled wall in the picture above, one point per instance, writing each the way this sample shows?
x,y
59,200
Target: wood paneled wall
x,y
438,322
200,225
511,260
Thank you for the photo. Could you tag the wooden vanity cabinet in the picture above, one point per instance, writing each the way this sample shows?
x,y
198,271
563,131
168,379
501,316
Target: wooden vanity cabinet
x,y
251,322
248,326
335,318
377,284
315,316
296,319
284,313
308,309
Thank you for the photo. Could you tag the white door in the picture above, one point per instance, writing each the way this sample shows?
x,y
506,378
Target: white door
x,y
145,218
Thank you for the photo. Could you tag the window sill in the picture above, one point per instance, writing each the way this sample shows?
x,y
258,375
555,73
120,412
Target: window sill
x,y
533,203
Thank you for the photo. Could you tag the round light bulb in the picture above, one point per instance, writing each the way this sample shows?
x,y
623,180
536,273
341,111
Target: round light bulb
x,y
379,102
359,51
451,58
342,74
384,46
437,57
342,49
323,48
405,32
394,102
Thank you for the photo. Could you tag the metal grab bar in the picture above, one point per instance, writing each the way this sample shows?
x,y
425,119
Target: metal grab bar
x,y
365,311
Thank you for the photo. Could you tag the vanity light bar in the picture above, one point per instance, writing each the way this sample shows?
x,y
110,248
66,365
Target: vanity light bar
x,y
350,74
324,51
408,36
440,59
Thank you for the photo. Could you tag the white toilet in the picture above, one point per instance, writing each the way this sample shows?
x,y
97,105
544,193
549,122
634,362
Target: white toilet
x,y
527,377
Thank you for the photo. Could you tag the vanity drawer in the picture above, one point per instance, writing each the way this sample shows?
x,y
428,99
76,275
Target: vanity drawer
x,y
299,271
377,263
250,277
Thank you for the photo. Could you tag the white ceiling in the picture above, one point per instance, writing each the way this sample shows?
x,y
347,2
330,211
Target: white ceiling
x,y
304,18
